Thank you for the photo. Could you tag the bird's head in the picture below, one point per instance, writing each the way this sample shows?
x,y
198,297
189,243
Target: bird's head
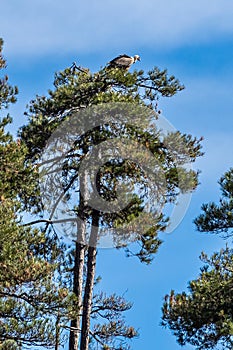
x,y
137,58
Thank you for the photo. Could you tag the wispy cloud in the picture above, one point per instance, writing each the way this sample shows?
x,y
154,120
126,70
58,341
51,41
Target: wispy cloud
x,y
44,26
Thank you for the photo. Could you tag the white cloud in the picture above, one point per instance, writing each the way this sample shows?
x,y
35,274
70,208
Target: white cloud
x,y
44,26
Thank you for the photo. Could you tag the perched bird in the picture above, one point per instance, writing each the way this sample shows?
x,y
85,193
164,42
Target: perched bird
x,y
123,61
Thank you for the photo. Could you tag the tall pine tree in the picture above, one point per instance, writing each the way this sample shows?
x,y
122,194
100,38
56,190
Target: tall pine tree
x,y
76,90
32,298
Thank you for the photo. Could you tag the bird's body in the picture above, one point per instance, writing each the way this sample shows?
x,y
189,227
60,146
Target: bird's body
x,y
123,61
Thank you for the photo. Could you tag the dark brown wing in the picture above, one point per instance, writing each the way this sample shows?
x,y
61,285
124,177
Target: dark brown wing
x,y
123,61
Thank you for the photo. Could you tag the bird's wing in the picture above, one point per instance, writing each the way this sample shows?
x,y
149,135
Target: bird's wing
x,y
122,60
124,55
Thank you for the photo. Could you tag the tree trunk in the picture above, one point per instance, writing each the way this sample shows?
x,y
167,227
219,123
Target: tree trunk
x,y
57,337
91,266
77,289
79,261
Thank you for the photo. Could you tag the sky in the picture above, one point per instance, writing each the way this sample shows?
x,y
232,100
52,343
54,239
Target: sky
x,y
194,41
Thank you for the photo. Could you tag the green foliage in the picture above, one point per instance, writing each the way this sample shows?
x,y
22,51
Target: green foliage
x,y
149,242
31,296
79,88
75,89
204,316
7,92
16,180
218,218
109,327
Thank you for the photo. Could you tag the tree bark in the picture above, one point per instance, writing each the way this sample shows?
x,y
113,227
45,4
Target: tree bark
x,y
88,294
77,289
57,337
80,247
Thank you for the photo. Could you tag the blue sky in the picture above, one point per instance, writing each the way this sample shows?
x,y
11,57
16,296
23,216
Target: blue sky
x,y
194,41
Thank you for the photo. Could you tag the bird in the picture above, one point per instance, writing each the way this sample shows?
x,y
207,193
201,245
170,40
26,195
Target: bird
x,y
123,61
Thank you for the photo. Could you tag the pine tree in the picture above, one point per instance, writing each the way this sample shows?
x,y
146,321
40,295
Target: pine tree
x,y
31,298
218,218
203,317
76,90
